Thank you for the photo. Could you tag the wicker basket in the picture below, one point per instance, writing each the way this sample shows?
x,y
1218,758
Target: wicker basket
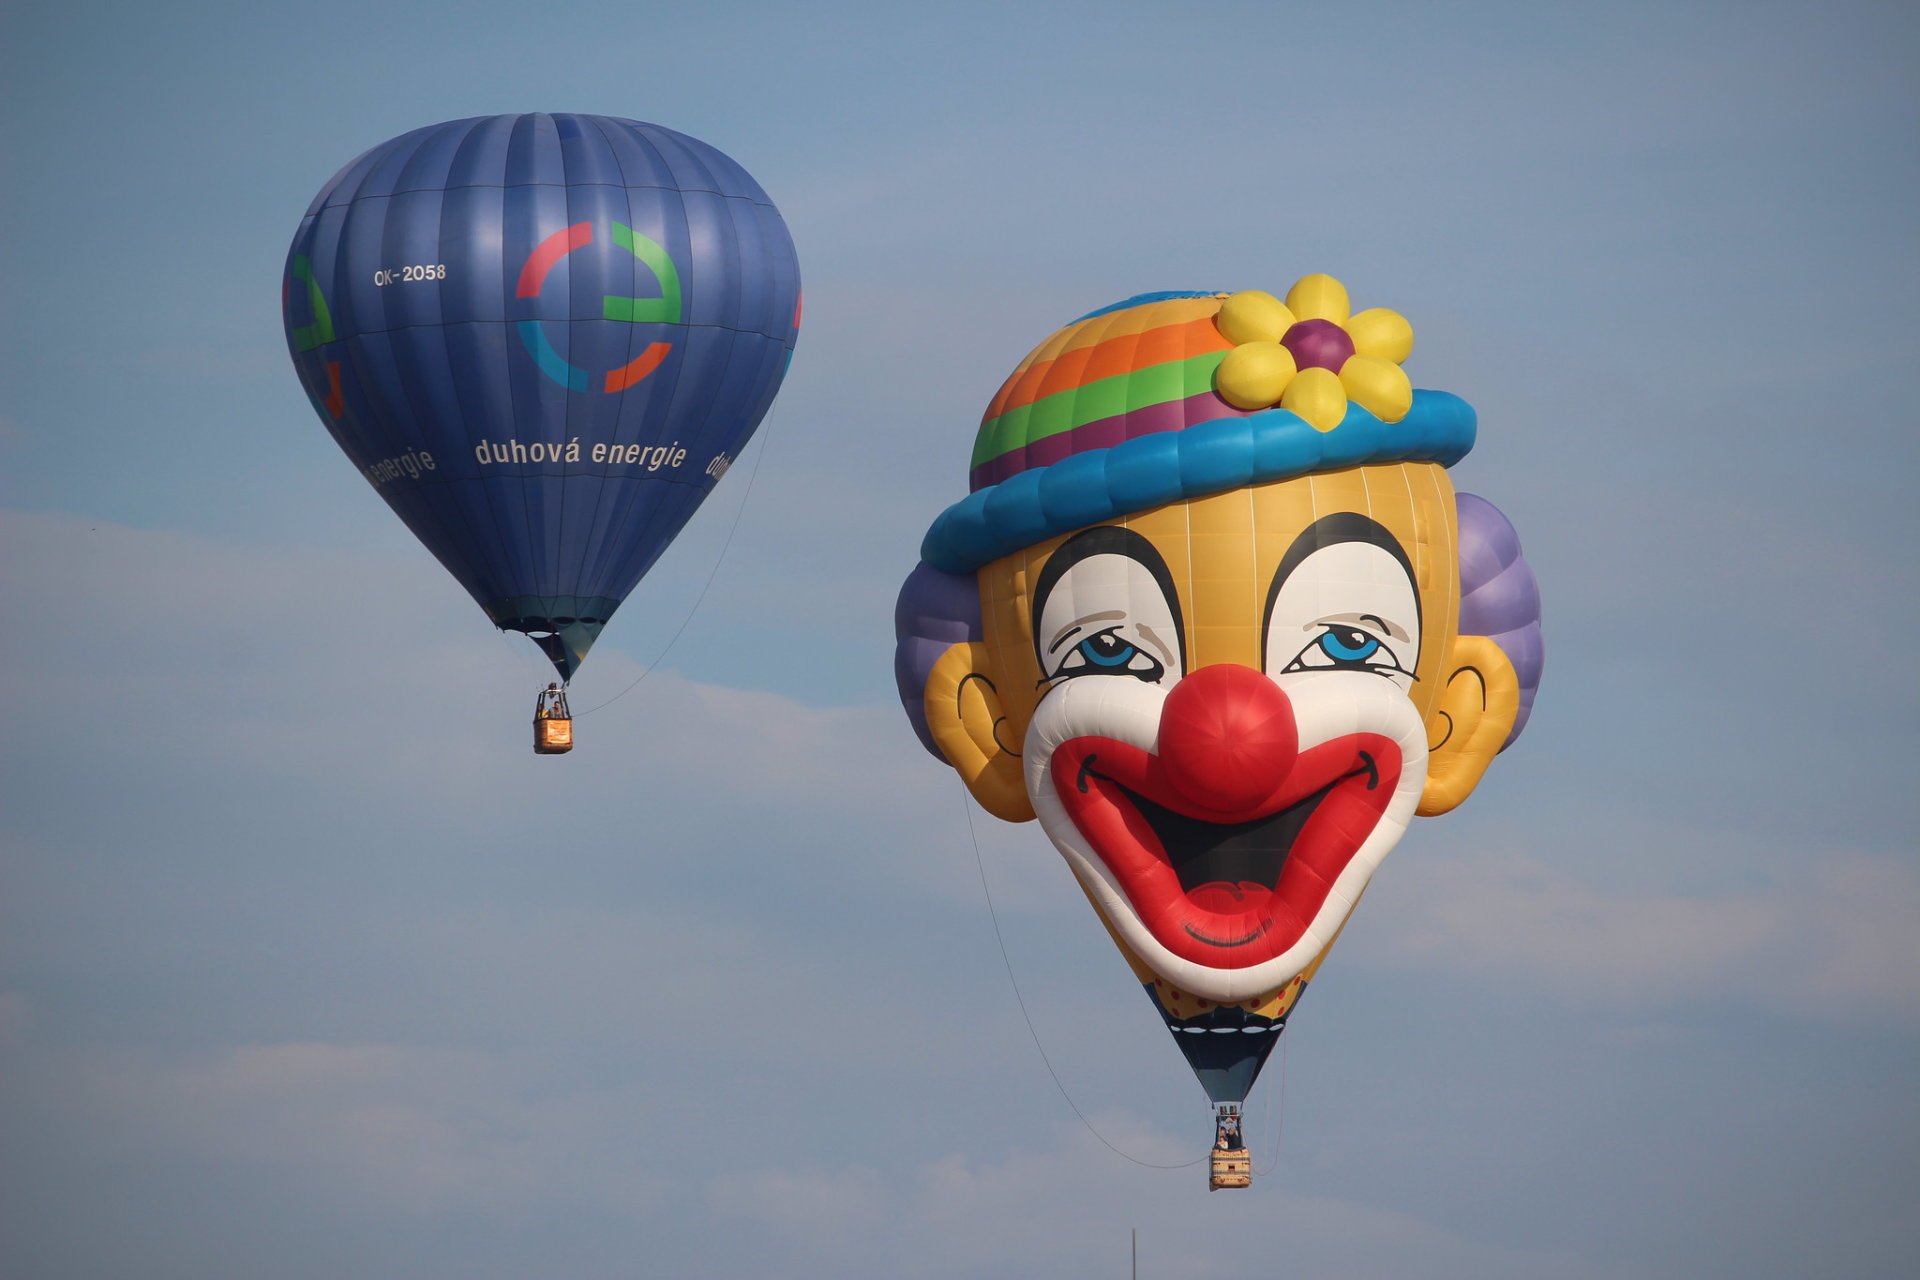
x,y
552,736
1231,1168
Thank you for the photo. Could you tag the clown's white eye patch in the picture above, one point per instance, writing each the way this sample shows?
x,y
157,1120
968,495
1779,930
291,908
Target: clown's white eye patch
x,y
1105,606
1344,605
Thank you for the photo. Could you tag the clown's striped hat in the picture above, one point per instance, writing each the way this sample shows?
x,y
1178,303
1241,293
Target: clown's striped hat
x,y
1169,396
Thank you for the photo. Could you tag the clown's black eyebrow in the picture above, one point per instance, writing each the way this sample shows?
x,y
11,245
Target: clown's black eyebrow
x,y
1328,531
1105,539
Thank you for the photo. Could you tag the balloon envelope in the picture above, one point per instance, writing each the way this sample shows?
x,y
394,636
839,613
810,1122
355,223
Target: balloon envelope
x,y
543,339
1222,640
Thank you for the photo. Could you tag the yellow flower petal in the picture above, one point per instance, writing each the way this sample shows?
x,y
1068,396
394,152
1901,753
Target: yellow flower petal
x,y
1317,396
1254,375
1382,334
1319,297
1378,386
1253,316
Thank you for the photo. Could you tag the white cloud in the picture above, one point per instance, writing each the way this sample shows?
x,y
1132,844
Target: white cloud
x,y
819,1205
419,1127
434,1133
1834,940
183,658
1070,1207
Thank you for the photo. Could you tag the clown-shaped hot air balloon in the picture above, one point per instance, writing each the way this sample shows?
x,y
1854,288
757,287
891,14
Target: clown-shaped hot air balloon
x,y
1214,614
543,339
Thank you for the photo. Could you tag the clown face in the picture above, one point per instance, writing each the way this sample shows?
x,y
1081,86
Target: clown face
x,y
1225,712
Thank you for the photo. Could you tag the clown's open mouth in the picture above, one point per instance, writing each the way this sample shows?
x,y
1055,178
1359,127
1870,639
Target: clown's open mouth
x,y
1226,889
1214,859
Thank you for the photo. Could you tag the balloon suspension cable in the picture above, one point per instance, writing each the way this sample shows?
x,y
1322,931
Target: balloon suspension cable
x,y
1276,1127
711,575
980,863
541,668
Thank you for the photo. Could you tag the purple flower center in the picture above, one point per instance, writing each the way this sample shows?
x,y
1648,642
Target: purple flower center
x,y
1318,344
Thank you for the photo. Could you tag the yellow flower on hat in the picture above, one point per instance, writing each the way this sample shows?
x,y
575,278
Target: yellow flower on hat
x,y
1311,355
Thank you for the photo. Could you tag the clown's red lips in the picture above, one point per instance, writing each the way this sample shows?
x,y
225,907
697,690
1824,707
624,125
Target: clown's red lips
x,y
1228,840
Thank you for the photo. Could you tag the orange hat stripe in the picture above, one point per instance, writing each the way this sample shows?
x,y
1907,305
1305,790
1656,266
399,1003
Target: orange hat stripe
x,y
1135,346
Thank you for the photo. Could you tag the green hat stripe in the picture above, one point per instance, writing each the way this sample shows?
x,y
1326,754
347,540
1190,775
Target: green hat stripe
x,y
1103,398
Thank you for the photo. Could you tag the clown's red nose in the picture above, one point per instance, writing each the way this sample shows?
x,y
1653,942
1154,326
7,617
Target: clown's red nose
x,y
1227,737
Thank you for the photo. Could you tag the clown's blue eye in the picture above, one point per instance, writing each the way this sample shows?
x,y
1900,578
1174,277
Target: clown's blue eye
x,y
1339,648
1107,654
1345,644
1106,650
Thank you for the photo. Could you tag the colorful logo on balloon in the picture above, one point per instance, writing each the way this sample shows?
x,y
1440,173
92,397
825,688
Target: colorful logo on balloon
x,y
664,309
308,337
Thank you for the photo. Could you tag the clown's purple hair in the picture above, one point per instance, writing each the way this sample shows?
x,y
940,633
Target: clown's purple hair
x,y
1499,597
935,611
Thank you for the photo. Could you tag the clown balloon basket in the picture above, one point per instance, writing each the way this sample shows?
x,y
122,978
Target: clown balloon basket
x,y
552,723
1232,1166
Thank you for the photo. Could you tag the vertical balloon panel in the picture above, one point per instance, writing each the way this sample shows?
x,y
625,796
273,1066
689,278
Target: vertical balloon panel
x,y
543,339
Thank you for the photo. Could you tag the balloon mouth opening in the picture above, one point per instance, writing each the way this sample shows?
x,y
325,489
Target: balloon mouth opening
x,y
564,627
1227,890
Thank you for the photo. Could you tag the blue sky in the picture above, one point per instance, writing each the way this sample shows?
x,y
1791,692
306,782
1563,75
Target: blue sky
x,y
308,968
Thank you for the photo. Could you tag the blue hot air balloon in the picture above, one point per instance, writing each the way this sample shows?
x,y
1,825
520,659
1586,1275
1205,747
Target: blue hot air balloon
x,y
543,339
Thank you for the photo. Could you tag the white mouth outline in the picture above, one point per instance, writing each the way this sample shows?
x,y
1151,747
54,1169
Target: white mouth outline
x,y
1326,705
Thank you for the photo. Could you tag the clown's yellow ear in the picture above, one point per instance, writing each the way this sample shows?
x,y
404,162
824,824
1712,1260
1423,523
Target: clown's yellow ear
x,y
966,718
1470,723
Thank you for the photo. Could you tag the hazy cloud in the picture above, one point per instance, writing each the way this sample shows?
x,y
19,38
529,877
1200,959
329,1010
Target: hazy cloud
x,y
1834,940
308,969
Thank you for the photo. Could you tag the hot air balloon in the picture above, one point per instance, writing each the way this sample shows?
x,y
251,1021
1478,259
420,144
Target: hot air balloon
x,y
543,339
1214,614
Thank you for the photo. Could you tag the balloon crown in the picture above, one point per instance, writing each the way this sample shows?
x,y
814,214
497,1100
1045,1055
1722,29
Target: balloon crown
x,y
1170,396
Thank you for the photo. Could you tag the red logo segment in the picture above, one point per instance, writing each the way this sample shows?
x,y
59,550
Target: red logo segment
x,y
533,275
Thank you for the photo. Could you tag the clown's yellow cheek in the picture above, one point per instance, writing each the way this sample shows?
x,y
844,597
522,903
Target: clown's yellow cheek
x,y
1474,713
968,723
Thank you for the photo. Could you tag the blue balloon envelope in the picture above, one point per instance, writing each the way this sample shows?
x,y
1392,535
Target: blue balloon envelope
x,y
543,339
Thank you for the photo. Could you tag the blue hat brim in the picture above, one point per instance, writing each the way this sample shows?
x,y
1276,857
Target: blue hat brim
x,y
1173,466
